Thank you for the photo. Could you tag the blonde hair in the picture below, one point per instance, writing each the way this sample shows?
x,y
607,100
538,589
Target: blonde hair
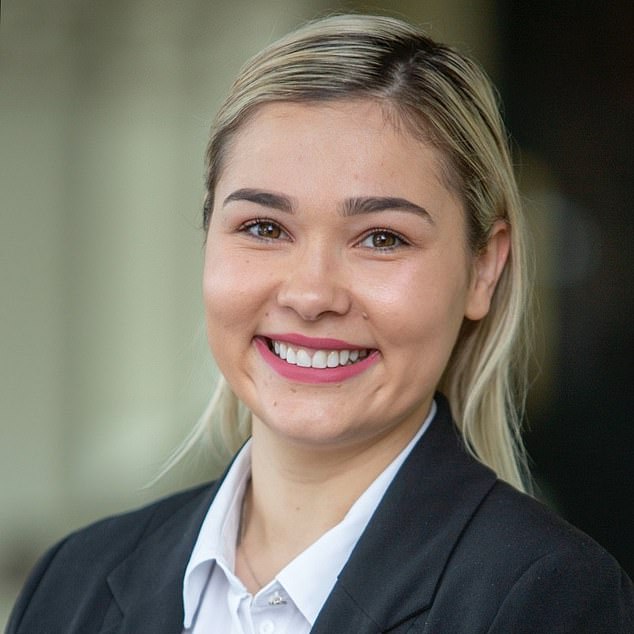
x,y
445,99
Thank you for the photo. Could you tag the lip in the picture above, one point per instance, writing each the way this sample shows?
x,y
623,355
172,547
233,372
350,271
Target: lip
x,y
316,343
313,375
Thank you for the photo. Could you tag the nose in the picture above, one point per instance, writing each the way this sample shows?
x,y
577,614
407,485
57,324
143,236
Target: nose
x,y
315,285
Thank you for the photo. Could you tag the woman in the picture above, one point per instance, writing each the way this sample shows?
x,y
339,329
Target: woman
x,y
365,280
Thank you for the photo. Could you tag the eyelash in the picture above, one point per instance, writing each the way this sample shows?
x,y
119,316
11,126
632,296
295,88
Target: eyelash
x,y
251,226
388,232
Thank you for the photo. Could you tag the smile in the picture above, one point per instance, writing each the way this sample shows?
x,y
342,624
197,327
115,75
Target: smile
x,y
321,359
315,360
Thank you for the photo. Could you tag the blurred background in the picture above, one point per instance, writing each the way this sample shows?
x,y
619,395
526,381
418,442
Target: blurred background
x,y
104,114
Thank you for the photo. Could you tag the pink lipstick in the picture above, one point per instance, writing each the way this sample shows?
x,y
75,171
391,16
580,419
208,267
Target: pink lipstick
x,y
314,360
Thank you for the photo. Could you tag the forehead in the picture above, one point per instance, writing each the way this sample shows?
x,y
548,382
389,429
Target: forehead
x,y
355,143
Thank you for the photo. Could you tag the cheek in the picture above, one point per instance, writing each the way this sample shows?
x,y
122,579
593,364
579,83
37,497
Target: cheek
x,y
420,306
224,289
236,296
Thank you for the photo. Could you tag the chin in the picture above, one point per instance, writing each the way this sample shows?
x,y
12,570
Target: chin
x,y
316,429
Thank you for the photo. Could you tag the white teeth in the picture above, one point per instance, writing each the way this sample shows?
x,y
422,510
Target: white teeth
x,y
303,358
319,358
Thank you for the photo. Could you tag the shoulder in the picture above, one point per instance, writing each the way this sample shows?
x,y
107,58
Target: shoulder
x,y
141,520
515,526
473,552
122,532
74,572
536,572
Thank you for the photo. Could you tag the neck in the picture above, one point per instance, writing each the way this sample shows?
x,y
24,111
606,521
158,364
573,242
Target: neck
x,y
298,492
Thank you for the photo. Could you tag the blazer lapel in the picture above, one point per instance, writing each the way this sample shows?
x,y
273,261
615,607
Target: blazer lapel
x,y
390,577
396,566
147,586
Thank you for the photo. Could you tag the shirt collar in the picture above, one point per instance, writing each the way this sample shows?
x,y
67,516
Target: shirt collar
x,y
216,540
311,576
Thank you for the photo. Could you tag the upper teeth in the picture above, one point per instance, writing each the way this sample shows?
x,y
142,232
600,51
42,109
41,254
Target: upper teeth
x,y
317,358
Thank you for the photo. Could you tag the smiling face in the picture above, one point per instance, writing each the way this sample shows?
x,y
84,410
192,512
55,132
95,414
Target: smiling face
x,y
337,273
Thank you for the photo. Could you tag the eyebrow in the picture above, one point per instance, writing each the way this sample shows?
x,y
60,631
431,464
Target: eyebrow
x,y
351,207
262,198
372,204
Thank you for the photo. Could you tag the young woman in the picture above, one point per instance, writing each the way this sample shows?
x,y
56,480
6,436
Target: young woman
x,y
365,284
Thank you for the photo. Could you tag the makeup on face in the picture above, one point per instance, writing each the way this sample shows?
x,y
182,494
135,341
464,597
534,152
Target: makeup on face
x,y
314,360
337,273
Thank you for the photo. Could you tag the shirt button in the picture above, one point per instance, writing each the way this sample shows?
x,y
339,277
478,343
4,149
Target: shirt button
x,y
276,599
267,627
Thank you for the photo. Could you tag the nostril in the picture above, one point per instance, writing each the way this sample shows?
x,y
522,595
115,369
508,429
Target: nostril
x,y
312,297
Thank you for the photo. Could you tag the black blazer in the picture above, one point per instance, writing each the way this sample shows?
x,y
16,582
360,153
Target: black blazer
x,y
450,550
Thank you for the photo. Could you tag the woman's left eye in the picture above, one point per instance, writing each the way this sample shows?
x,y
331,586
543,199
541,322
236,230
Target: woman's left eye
x,y
382,239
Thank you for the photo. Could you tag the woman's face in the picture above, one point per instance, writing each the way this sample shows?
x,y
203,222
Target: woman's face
x,y
337,273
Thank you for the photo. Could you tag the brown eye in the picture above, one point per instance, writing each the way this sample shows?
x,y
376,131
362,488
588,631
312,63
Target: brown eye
x,y
265,229
268,230
382,239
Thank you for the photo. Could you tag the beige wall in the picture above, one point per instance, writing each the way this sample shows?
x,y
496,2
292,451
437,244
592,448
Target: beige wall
x,y
104,112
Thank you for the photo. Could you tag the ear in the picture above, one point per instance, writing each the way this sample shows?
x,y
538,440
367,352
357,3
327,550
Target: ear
x,y
487,268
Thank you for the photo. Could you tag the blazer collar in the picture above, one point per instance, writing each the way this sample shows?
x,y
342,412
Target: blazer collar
x,y
396,566
147,586
391,575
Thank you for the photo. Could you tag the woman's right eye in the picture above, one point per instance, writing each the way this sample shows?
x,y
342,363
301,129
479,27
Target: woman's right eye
x,y
264,229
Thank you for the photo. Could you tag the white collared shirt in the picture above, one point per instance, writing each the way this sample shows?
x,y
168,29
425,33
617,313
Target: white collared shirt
x,y
216,601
